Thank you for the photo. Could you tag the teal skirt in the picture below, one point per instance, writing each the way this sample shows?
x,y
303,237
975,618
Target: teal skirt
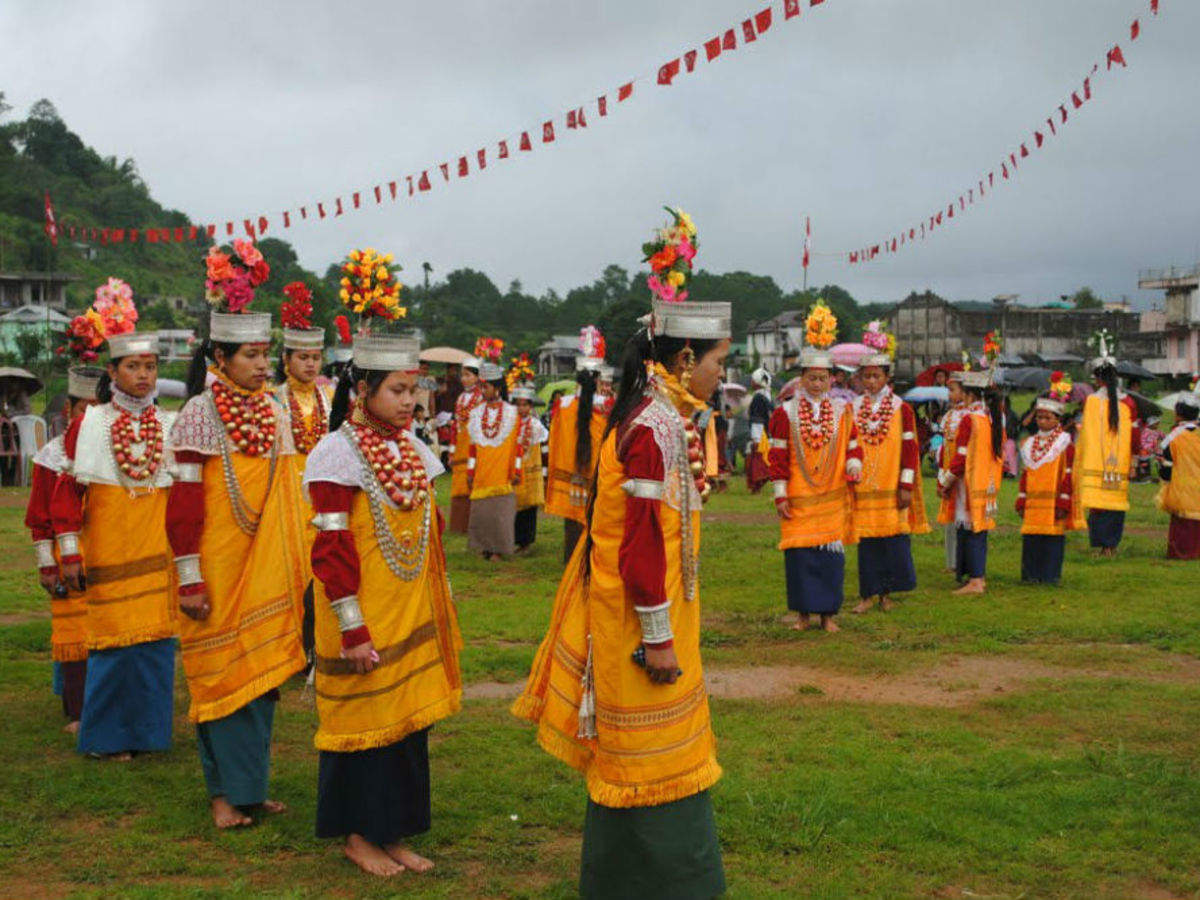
x,y
667,852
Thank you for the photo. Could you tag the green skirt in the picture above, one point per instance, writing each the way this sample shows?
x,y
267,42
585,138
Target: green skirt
x,y
667,852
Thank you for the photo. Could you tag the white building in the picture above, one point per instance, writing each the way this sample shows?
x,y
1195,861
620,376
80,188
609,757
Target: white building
x,y
776,342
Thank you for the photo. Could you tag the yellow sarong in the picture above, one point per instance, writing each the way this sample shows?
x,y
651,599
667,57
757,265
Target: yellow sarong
x,y
654,743
414,628
130,577
1181,495
1102,457
250,643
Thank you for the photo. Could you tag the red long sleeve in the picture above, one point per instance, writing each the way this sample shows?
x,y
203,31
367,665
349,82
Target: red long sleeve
x,y
185,515
910,448
1135,428
37,512
778,460
66,502
334,556
958,465
642,558
1065,490
1021,492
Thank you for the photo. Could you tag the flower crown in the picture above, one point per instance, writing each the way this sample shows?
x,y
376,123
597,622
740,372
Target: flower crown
x,y
368,287
111,313
1060,386
670,255
489,348
878,338
993,343
296,311
520,369
231,279
820,326
592,343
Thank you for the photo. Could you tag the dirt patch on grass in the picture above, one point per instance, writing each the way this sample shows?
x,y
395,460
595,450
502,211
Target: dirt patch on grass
x,y
14,498
957,681
23,616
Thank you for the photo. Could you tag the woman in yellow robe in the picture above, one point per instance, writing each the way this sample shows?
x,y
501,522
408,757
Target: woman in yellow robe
x,y
460,446
493,468
617,690
109,506
234,519
531,489
1180,492
1105,458
1044,494
387,632
949,427
576,425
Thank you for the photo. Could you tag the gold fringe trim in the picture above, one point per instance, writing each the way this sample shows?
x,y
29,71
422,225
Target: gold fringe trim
x,y
381,737
499,490
625,796
252,690
69,652
130,638
576,755
528,707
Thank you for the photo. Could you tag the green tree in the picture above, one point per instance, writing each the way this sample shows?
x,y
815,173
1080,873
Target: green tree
x,y
1085,298
31,347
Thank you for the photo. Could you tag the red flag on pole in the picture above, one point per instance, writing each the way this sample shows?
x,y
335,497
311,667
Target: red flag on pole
x,y
807,240
51,227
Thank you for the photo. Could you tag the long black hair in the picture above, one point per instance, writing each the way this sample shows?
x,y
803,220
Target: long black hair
x,y
104,387
281,366
347,378
1106,374
501,387
638,352
583,421
206,352
1186,413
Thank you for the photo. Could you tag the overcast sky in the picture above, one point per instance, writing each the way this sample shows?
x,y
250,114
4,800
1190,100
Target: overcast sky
x,y
864,114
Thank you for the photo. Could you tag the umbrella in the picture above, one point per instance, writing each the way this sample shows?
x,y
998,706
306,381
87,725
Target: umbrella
x,y
1059,359
566,385
849,354
450,355
1010,359
172,387
927,394
925,379
27,380
734,393
1029,378
1145,406
1128,369
1169,401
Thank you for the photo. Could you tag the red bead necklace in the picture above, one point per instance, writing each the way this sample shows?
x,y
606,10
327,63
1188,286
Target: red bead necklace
x,y
815,433
873,423
401,476
695,454
491,430
306,434
137,466
1041,445
248,418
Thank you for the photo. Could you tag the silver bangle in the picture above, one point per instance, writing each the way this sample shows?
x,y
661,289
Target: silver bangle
x,y
780,490
656,623
45,554
906,477
348,612
189,473
188,569
68,544
643,488
331,521
778,443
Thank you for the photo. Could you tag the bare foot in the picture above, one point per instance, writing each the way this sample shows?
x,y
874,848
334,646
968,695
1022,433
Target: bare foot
x,y
828,625
226,815
274,807
371,859
72,727
126,756
974,586
409,858
864,606
801,624
887,604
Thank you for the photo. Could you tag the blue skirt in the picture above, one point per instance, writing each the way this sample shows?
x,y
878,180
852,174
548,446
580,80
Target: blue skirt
x,y
129,698
972,553
1042,558
815,579
1105,527
236,752
885,566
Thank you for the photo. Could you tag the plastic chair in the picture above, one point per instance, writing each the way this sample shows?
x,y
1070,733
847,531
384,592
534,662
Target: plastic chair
x,y
32,435
10,453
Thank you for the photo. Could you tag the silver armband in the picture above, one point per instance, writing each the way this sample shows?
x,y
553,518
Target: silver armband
x,y
189,473
331,521
643,488
778,443
656,623
188,569
780,490
945,477
45,554
907,476
348,612
68,544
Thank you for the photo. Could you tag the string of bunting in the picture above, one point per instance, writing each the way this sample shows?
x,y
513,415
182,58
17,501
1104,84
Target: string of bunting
x,y
463,165
1114,58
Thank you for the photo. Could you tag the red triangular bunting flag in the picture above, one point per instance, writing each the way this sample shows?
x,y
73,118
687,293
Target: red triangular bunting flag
x,y
210,230
462,167
526,144
1154,7
262,227
962,203
191,233
602,105
481,158
152,234
378,194
1116,56
1075,101
445,167
1004,169
815,2
339,207
748,34
411,191
991,179
762,20
572,121
1134,30
1024,150
321,210
689,60
504,149
246,224
667,71
1053,129
355,199
1038,138
1087,89
392,187
582,118
625,91
287,219
547,132
729,41
423,183
712,49
950,212
791,8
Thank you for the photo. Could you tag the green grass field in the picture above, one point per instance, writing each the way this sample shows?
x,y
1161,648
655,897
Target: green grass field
x,y
1032,743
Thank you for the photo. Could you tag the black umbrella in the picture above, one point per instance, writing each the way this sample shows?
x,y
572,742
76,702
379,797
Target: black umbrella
x,y
1127,369
1028,378
1146,408
1060,359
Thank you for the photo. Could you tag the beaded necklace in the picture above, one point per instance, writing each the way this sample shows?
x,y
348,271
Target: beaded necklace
x,y
491,429
815,432
875,421
400,474
1041,444
306,432
248,417
124,439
